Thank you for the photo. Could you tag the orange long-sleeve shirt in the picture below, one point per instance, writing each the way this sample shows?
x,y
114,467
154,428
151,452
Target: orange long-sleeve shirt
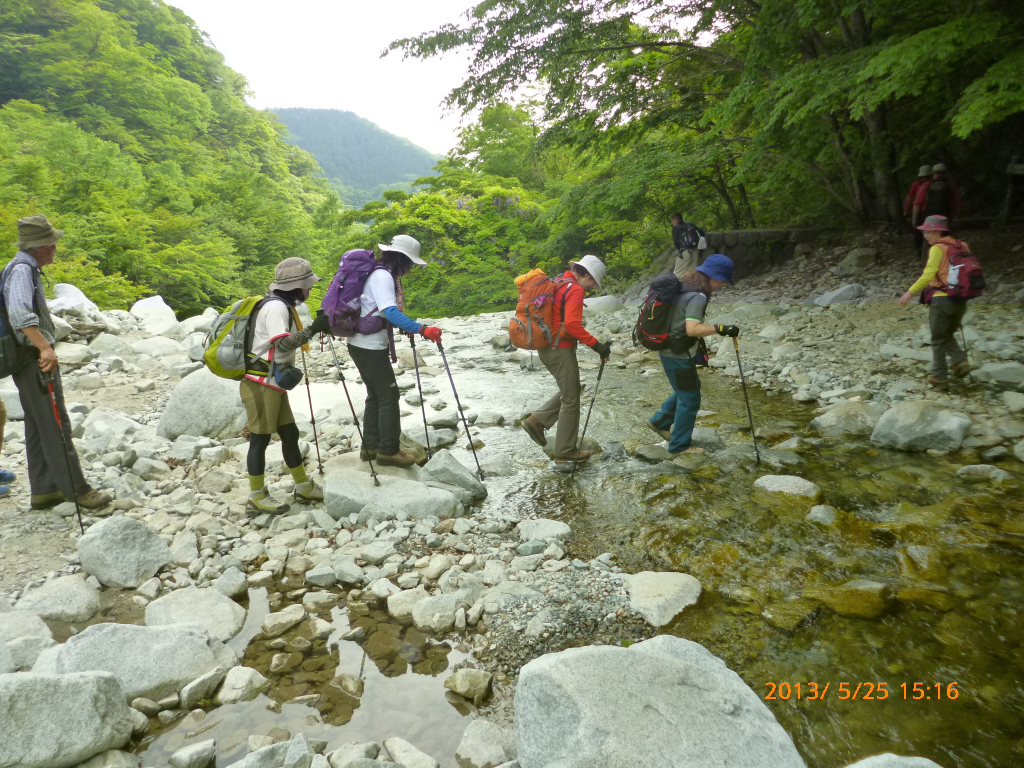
x,y
571,329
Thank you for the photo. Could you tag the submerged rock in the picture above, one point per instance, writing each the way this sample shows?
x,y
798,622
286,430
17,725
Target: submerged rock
x,y
241,684
665,701
860,598
473,684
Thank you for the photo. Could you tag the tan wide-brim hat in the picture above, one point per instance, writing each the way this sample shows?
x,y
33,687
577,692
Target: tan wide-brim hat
x,y
293,273
593,265
405,245
35,231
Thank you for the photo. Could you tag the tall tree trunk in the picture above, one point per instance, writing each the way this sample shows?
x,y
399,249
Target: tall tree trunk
x,y
887,195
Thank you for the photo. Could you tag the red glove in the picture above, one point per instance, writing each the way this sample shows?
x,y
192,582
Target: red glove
x,y
432,333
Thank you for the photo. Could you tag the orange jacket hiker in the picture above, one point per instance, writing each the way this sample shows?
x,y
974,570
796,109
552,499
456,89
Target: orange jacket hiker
x,y
569,328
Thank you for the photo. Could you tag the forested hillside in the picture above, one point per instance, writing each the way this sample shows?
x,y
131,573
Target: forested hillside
x,y
361,159
123,125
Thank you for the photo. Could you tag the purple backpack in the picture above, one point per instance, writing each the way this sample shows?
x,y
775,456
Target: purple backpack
x,y
341,303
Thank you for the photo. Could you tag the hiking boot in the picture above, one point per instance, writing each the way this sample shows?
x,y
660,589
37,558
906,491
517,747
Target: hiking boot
x,y
94,499
367,454
6,476
962,369
692,450
572,457
665,434
400,459
4,490
308,491
47,500
938,383
535,430
260,502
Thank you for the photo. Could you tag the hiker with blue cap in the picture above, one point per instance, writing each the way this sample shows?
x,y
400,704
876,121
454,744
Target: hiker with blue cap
x,y
684,350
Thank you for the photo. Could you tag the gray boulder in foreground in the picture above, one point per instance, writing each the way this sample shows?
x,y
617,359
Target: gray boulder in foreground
x,y
347,491
917,425
205,405
445,468
665,701
152,662
67,598
217,613
850,418
122,552
56,721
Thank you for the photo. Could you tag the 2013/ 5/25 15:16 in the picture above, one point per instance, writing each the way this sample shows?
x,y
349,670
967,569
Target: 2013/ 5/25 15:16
x,y
863,691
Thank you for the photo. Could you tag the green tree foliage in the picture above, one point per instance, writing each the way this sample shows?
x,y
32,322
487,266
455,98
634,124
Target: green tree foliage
x,y
127,129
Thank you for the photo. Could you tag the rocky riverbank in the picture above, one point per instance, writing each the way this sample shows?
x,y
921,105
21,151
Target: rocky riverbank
x,y
432,570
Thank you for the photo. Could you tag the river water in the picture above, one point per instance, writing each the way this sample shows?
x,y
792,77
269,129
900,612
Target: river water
x,y
948,551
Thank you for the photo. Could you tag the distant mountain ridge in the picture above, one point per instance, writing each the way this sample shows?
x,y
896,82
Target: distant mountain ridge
x,y
357,155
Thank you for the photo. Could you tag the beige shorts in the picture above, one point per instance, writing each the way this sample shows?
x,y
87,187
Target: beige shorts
x,y
266,408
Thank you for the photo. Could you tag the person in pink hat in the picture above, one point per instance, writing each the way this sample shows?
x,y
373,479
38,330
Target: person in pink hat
x,y
945,313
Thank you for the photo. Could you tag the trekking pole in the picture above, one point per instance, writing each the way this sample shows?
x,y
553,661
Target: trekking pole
x,y
458,405
312,418
967,352
743,381
341,375
48,380
600,373
419,387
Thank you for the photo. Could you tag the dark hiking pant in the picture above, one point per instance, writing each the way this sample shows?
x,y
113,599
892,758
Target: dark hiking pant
x,y
679,412
48,456
944,320
382,426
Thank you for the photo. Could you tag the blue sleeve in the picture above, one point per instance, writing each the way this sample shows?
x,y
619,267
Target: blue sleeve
x,y
398,319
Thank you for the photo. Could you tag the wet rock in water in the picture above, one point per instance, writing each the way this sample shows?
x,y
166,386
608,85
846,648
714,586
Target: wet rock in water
x,y
203,404
201,688
401,605
122,552
789,614
707,438
17,624
654,453
917,425
218,614
195,755
976,472
473,684
232,583
266,757
1018,450
889,760
322,575
850,418
822,513
594,706
860,598
314,602
661,596
353,750
67,598
404,753
278,623
481,746
543,530
789,485
445,468
147,661
241,684
348,491
57,721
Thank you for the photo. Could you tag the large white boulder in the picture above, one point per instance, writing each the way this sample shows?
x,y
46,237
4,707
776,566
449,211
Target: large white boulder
x,y
1009,375
12,401
69,298
122,552
788,485
205,405
543,529
850,418
156,318
200,323
56,721
481,746
917,425
347,491
153,662
445,468
241,684
73,353
67,598
159,346
217,613
661,596
598,305
103,422
665,701
18,624
109,344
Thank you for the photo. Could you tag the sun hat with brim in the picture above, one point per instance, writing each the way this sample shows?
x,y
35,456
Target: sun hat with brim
x,y
594,266
293,273
924,170
935,224
939,168
718,266
36,231
407,246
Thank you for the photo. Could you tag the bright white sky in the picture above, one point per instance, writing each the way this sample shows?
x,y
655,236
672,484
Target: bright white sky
x,y
326,54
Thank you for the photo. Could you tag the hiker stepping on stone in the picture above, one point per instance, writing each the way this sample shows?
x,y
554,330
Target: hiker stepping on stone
x,y
277,333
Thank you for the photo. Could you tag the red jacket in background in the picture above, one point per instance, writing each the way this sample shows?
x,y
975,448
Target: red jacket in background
x,y
921,201
908,204
571,329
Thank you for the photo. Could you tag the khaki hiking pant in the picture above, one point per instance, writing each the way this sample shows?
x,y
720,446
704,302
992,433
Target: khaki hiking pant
x,y
564,406
686,260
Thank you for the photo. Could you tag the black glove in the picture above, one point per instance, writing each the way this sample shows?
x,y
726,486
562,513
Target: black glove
x,y
603,349
322,324
728,330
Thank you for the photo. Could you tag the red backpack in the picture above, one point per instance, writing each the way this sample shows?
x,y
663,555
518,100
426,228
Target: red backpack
x,y
965,280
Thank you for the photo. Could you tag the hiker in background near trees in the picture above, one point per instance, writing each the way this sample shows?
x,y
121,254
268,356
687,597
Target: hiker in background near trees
x,y
50,457
945,314
373,353
939,196
675,419
924,175
277,334
689,243
560,360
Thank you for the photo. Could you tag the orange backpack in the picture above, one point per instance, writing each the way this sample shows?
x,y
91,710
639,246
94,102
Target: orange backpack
x,y
533,327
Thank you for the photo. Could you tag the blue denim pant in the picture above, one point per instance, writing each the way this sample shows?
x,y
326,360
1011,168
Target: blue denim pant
x,y
679,412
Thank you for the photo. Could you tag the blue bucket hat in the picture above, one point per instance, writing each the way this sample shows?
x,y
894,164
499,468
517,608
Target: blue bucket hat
x,y
718,266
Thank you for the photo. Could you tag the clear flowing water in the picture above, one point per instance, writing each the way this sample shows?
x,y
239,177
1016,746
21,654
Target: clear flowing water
x,y
953,615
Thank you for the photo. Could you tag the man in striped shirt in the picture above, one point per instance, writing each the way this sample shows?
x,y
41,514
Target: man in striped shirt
x,y
54,472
